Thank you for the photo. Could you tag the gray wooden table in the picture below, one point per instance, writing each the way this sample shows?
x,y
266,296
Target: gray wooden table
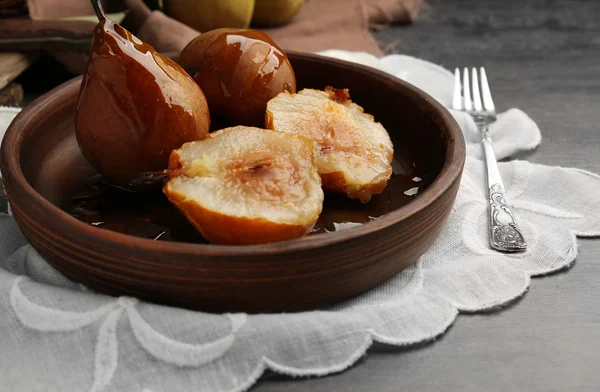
x,y
542,57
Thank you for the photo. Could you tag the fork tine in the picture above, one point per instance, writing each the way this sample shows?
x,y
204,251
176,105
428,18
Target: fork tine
x,y
476,96
467,90
456,95
485,90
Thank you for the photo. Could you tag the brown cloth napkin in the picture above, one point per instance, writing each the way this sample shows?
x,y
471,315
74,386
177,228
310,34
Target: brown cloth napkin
x,y
333,24
392,11
319,25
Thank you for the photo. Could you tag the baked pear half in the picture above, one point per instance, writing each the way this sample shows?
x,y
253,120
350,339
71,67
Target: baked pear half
x,y
355,152
245,185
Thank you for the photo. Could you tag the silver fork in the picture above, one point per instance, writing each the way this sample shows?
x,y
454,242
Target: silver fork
x,y
504,233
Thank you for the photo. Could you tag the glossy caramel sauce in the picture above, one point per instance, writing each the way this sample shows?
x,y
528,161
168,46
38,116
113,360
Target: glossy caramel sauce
x,y
223,57
239,71
131,110
150,215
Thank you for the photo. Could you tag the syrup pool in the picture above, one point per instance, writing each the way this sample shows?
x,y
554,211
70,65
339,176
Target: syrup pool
x,y
150,215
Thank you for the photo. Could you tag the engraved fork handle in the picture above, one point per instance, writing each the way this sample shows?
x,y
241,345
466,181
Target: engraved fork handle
x,y
504,233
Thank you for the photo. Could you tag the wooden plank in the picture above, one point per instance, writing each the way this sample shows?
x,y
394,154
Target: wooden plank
x,y
21,35
12,95
12,65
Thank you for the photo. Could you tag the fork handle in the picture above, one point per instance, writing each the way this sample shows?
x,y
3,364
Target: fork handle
x,y
504,233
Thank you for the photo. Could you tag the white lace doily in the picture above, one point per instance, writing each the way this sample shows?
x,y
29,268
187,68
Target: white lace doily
x,y
56,336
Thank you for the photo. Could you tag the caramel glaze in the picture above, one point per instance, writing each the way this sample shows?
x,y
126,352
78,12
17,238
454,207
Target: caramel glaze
x,y
150,215
239,71
135,106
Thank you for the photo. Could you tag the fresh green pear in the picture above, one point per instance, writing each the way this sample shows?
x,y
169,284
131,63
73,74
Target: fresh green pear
x,y
205,15
275,12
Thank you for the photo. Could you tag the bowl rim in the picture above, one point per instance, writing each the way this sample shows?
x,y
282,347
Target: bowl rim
x,y
451,171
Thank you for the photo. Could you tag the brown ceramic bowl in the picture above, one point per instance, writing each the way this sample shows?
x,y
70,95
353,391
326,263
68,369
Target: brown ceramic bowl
x,y
42,168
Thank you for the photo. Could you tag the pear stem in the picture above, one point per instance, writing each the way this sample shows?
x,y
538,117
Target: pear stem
x,y
97,4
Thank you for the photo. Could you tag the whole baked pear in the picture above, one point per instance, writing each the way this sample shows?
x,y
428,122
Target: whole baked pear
x,y
135,105
239,70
